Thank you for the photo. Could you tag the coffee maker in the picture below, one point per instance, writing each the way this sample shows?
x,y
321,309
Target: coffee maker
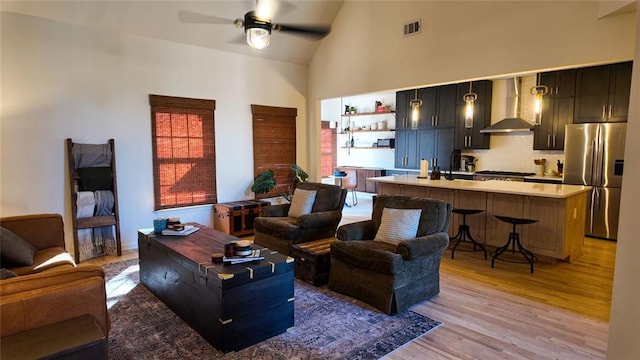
x,y
467,163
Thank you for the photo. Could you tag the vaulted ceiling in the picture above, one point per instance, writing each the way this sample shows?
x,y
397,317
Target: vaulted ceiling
x,y
160,20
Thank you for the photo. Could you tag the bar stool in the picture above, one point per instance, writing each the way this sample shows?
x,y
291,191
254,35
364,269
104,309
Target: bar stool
x,y
514,239
464,235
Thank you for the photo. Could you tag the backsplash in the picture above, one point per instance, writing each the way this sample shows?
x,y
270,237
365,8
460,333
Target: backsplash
x,y
514,152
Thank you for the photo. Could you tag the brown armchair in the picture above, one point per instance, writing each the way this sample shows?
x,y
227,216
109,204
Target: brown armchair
x,y
278,231
53,288
391,277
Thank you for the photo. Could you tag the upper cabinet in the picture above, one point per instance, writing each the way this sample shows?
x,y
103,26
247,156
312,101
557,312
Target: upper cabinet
x,y
402,109
438,107
470,137
602,93
557,109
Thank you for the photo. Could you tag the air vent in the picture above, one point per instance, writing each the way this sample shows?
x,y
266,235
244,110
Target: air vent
x,y
412,28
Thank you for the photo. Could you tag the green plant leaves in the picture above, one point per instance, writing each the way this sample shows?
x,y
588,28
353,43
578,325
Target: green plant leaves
x,y
263,183
298,174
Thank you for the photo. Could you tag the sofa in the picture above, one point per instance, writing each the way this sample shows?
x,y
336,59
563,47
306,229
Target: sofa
x,y
51,289
395,272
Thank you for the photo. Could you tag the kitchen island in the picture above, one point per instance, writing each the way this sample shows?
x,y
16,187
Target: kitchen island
x,y
560,210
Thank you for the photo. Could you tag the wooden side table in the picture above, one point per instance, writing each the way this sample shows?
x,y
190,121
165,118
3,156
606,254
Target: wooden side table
x,y
236,218
312,261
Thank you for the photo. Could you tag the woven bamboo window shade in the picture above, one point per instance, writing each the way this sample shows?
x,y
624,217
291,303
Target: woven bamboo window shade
x,y
274,144
184,157
328,142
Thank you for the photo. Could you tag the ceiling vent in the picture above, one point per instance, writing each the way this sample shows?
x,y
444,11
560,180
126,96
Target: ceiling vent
x,y
412,28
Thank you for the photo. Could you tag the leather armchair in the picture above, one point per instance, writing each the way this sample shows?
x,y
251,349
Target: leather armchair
x,y
391,277
53,289
277,231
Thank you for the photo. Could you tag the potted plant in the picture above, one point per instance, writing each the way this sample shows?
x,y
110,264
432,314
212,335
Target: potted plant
x,y
266,181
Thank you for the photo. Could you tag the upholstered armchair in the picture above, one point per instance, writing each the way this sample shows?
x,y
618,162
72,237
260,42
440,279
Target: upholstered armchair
x,y
393,260
280,227
48,288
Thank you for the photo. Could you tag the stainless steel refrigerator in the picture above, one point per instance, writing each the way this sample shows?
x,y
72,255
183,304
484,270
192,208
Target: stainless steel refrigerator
x,y
594,156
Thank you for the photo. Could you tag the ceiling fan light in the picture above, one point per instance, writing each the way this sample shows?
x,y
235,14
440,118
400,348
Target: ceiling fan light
x,y
258,38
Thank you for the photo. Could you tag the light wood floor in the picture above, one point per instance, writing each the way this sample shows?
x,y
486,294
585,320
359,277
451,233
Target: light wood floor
x,y
559,312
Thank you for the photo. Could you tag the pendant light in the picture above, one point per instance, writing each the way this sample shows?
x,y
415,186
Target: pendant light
x,y
469,100
415,105
538,92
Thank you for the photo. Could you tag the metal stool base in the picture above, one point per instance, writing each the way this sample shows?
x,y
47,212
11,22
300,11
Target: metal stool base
x,y
513,241
464,235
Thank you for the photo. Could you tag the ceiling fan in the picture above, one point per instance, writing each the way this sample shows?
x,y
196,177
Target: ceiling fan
x,y
258,25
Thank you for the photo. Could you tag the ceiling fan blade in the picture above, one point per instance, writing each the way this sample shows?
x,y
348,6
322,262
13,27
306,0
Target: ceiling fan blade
x,y
197,18
311,31
238,40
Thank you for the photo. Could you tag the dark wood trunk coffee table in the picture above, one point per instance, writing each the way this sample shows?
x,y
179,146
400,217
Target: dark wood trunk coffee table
x,y
231,306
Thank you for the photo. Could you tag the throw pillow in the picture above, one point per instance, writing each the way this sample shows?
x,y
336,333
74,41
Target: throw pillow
x,y
397,225
7,274
302,202
14,249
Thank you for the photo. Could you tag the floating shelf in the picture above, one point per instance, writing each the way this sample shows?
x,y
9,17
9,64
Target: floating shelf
x,y
369,113
366,147
364,131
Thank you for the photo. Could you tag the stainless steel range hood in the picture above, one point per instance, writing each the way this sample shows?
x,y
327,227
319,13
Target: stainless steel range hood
x,y
513,122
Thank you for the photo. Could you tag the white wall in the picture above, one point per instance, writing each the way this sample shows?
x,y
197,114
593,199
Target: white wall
x,y
624,326
61,81
333,110
461,41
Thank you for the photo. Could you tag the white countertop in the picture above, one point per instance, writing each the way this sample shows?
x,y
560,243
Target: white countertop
x,y
556,178
505,187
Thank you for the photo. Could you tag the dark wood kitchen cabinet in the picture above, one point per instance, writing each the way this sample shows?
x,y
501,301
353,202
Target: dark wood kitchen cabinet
x,y
557,109
602,93
436,146
406,156
472,138
438,107
434,138
402,109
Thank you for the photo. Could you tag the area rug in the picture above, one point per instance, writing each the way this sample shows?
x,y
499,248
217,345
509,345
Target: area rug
x,y
328,325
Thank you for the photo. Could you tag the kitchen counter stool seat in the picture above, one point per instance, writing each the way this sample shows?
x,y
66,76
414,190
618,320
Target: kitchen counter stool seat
x,y
513,241
464,234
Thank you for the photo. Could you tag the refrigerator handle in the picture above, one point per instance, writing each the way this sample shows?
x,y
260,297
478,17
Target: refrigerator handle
x,y
594,164
602,172
592,210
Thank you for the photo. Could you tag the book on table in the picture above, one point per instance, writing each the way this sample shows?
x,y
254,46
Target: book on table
x,y
255,255
188,229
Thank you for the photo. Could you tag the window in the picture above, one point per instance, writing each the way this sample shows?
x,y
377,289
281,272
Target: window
x,y
327,149
274,143
184,161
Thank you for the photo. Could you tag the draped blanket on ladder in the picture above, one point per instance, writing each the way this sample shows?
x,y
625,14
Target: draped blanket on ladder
x,y
95,198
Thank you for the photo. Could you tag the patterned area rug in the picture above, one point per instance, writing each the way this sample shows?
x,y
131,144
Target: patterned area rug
x,y
328,325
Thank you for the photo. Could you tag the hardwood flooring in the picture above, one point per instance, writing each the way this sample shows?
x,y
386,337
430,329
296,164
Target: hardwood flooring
x,y
559,312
